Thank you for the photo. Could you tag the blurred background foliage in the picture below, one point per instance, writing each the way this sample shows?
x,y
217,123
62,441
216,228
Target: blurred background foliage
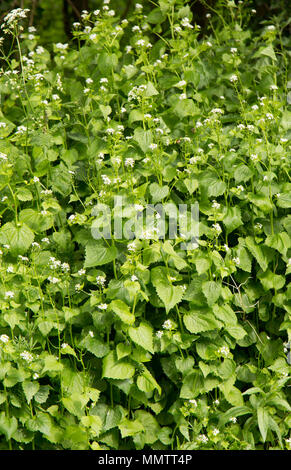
x,y
54,18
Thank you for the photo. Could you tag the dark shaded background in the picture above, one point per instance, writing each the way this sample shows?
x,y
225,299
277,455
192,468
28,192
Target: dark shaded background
x,y
54,18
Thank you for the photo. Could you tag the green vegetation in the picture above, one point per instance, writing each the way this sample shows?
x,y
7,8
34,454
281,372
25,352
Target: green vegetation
x,y
139,344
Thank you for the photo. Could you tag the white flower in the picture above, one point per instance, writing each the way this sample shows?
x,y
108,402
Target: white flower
x,y
159,334
129,162
27,356
216,402
103,306
168,325
217,227
4,338
134,278
81,272
233,419
9,294
54,280
153,146
131,246
224,351
90,333
61,46
215,205
215,431
202,438
186,23
181,83
216,111
233,50
21,130
100,281
236,261
193,402
3,124
140,42
138,6
233,78
65,267
35,376
106,179
64,345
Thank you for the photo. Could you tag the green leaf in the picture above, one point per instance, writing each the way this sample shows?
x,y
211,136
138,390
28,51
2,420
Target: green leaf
x,y
232,220
75,403
257,252
142,335
185,108
95,346
23,194
232,394
147,383
150,424
122,311
263,422
19,237
97,254
150,90
7,425
225,314
191,184
270,280
261,201
193,385
158,192
143,138
284,200
178,260
280,242
211,290
114,369
242,173
266,51
130,428
234,413
30,389
123,350
199,321
51,364
94,423
169,294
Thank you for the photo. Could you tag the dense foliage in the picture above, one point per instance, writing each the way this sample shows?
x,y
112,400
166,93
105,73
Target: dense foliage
x,y
132,344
